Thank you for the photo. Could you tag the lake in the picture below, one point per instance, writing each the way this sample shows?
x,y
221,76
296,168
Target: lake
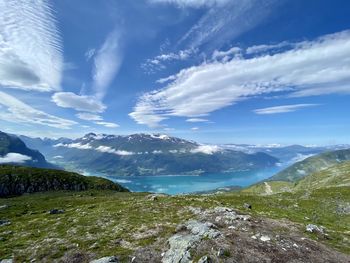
x,y
180,184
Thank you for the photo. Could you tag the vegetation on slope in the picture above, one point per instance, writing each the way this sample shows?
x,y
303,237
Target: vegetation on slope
x,y
337,175
17,180
103,223
311,165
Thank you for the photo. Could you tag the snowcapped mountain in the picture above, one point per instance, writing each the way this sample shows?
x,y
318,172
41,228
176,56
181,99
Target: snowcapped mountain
x,y
146,154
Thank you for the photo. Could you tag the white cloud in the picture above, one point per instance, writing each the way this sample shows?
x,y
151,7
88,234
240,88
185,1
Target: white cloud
x,y
191,3
89,116
283,108
206,149
102,149
158,63
14,158
194,128
76,145
311,68
18,112
107,124
226,55
78,102
265,48
197,120
107,61
30,46
89,54
107,149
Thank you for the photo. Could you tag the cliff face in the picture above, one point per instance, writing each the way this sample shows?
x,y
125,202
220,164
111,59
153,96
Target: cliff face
x,y
16,180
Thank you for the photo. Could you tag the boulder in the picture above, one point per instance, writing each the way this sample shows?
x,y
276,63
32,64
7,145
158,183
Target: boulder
x,y
56,211
205,259
4,222
112,259
315,229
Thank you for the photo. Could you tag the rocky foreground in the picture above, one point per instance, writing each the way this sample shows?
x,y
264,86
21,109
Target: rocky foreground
x,y
104,226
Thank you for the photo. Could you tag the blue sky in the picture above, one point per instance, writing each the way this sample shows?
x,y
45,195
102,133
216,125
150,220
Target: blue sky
x,y
216,71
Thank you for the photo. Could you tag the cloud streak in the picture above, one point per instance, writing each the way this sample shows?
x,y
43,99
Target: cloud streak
x,y
16,111
283,108
321,66
78,102
107,61
30,46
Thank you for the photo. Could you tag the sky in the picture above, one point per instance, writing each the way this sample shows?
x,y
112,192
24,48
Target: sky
x,y
215,71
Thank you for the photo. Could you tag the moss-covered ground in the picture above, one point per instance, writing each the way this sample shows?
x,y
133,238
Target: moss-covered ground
x,y
110,223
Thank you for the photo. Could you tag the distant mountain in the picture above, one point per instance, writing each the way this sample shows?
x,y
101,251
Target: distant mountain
x,y
146,154
311,165
14,151
286,154
17,180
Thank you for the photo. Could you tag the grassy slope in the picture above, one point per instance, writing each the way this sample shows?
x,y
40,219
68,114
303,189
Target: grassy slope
x,y
311,165
36,179
96,221
334,176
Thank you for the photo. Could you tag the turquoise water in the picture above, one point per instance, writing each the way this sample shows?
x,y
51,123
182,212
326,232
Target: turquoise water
x,y
177,184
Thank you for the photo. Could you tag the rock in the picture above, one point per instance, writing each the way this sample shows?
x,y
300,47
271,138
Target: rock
x,y
180,244
4,206
112,259
206,229
5,222
10,260
179,248
247,206
315,229
205,259
153,198
220,253
265,238
56,211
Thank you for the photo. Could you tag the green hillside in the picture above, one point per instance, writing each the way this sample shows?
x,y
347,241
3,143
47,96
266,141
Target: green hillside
x,y
17,180
311,165
337,175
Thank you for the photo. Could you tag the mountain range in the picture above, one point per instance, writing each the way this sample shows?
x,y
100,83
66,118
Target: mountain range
x,y
145,154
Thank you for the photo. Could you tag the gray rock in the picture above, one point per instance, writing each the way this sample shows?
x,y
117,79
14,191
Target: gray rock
x,y
112,259
315,229
221,253
4,206
10,260
206,229
180,244
205,259
5,222
247,206
56,211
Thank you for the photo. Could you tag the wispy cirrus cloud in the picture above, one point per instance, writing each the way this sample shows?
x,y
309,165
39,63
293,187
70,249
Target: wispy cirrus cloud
x,y
107,61
310,68
283,108
78,102
16,111
89,116
159,62
107,124
197,120
192,3
30,46
226,20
